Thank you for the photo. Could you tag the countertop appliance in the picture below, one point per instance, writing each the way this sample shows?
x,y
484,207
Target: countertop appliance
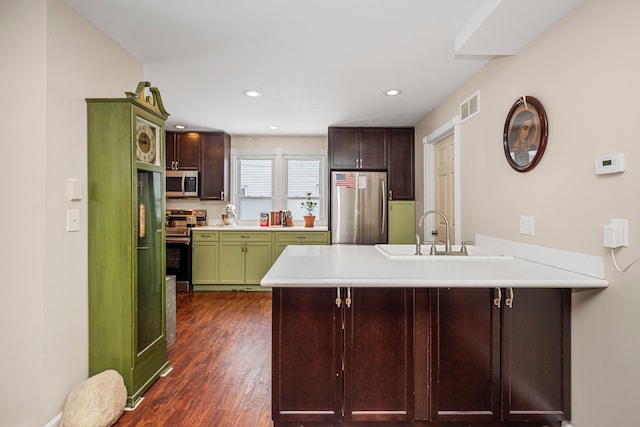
x,y
358,207
178,243
229,215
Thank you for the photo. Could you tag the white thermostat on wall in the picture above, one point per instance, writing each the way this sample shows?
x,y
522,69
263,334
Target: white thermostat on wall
x,y
611,163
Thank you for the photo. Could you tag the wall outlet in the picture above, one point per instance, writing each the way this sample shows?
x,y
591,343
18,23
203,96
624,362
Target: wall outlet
x,y
526,225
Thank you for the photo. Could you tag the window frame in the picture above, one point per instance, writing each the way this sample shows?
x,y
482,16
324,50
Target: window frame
x,y
279,176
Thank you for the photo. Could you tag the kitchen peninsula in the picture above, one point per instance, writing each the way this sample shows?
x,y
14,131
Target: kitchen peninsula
x,y
360,339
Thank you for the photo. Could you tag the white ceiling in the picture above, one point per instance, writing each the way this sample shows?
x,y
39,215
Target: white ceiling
x,y
318,62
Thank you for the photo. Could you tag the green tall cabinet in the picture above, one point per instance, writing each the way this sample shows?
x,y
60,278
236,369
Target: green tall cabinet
x,y
402,221
126,179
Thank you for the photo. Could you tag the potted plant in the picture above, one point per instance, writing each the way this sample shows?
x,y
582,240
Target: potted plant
x,y
309,206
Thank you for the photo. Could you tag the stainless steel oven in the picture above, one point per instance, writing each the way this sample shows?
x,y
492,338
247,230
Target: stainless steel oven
x,y
178,244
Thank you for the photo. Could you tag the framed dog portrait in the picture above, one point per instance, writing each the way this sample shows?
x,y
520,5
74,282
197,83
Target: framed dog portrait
x,y
525,134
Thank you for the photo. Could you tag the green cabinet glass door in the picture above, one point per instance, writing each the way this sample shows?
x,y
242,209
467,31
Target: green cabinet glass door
x,y
149,313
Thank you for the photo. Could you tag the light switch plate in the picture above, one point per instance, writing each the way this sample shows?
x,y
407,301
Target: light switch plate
x,y
73,219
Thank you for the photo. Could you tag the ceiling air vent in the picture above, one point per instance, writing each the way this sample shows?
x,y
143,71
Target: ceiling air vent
x,y
470,107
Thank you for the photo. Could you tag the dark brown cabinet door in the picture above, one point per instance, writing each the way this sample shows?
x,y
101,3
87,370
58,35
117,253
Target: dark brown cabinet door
x,y
344,149
358,148
325,372
307,351
500,356
536,356
378,355
401,164
214,166
182,150
170,144
373,148
188,150
465,355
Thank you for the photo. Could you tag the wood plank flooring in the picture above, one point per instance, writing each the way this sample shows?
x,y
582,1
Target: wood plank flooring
x,y
221,364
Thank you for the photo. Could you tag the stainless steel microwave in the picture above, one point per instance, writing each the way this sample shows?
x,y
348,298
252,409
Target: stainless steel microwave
x,y
182,183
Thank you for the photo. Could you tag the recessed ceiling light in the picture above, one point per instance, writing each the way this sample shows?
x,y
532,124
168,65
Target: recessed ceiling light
x,y
393,92
180,126
252,93
274,127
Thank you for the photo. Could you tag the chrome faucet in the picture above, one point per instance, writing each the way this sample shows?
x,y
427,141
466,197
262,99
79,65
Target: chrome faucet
x,y
447,243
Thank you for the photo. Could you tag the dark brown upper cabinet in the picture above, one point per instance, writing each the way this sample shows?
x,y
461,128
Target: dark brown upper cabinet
x,y
358,148
183,151
401,171
214,166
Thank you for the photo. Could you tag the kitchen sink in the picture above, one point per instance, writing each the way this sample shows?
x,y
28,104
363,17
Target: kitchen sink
x,y
407,253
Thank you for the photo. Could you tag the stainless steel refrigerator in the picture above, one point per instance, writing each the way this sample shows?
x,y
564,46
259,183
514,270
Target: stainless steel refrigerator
x,y
358,207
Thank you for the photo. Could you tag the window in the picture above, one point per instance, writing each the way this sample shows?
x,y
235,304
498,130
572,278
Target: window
x,y
303,176
273,181
256,187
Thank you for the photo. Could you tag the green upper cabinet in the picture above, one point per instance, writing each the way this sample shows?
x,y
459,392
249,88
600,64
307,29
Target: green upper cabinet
x,y
126,238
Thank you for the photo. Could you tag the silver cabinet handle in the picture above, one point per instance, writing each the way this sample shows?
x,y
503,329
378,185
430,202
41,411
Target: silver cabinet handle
x,y
338,299
347,300
496,301
384,208
509,301
301,237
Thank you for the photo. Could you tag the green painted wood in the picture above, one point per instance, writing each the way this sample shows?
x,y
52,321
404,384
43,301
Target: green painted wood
x,y
257,262
126,273
204,263
231,263
402,222
284,238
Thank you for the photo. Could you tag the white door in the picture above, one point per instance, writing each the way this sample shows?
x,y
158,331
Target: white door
x,y
444,188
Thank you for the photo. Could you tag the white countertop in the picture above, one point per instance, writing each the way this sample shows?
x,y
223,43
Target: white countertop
x,y
221,227
365,266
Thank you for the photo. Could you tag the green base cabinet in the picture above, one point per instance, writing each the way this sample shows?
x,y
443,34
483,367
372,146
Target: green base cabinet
x,y
126,254
204,257
402,222
284,238
244,257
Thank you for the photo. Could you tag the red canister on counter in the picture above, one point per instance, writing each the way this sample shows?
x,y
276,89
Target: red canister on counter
x,y
264,219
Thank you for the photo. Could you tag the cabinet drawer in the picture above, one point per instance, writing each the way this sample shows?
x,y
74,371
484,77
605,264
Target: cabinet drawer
x,y
204,236
305,237
245,236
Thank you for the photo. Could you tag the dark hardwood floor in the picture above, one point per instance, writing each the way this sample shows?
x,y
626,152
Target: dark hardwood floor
x,y
221,364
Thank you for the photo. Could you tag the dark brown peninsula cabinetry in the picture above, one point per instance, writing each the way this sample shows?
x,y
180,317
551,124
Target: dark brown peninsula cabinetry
x,y
497,355
421,357
381,149
342,355
207,152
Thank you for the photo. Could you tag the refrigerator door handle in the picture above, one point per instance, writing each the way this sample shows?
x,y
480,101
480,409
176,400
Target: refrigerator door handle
x,y
384,208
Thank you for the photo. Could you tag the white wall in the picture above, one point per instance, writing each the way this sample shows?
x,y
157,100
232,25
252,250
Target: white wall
x,y
49,67
585,72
